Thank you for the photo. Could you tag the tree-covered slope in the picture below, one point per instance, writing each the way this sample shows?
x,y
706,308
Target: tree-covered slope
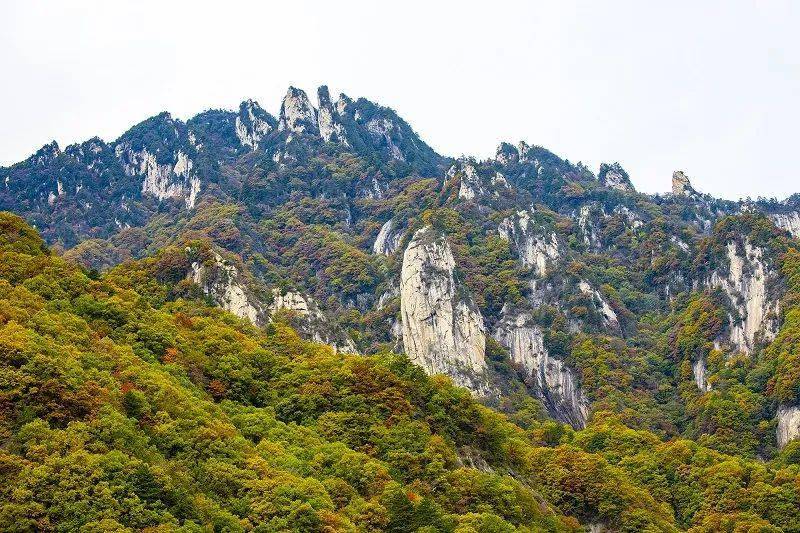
x,y
128,404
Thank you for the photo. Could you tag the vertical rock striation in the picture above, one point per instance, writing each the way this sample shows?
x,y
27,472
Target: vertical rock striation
x,y
788,424
443,332
553,382
745,284
536,248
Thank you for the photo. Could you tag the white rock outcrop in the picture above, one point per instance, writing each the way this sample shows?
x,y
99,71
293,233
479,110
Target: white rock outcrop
x,y
470,182
699,371
788,424
297,113
610,320
586,224
163,180
681,186
222,283
443,332
788,222
614,177
314,322
536,248
384,129
328,119
553,381
252,124
388,239
745,284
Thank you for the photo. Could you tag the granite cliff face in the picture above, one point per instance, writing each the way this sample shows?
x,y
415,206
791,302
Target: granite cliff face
x,y
554,383
788,424
443,331
311,320
388,239
788,221
681,186
614,177
221,281
746,284
536,247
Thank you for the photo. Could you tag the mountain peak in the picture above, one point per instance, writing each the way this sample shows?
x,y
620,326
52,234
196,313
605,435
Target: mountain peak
x,y
297,113
253,123
681,186
614,176
330,128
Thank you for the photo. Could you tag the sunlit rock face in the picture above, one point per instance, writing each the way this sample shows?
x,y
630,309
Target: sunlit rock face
x,y
470,186
312,321
681,186
388,239
297,113
788,222
587,218
745,283
699,371
253,124
443,331
220,280
610,319
614,177
788,424
553,381
329,118
170,178
536,247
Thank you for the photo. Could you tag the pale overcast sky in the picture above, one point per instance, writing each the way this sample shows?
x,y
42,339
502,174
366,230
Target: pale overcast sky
x,y
708,87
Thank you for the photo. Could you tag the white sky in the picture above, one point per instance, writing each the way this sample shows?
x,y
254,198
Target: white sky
x,y
708,87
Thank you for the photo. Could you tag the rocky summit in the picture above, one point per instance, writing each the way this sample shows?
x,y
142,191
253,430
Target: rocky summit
x,y
251,320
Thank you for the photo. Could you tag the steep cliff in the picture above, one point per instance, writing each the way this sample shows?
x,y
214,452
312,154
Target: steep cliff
x,y
537,247
311,320
788,424
443,331
746,282
553,382
221,281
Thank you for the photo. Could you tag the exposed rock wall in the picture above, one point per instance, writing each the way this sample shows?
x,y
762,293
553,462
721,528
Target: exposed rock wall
x,y
681,186
788,424
388,239
443,332
537,248
699,372
297,113
313,321
171,179
554,382
221,282
614,177
610,320
746,285
788,221
252,124
328,119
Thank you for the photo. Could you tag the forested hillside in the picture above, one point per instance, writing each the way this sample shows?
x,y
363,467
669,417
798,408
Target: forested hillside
x,y
313,320
128,403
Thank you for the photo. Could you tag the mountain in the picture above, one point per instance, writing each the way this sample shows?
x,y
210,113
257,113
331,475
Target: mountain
x,y
666,323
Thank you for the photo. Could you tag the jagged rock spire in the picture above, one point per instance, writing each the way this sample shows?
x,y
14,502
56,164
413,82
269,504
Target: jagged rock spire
x,y
253,123
330,127
297,113
681,186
